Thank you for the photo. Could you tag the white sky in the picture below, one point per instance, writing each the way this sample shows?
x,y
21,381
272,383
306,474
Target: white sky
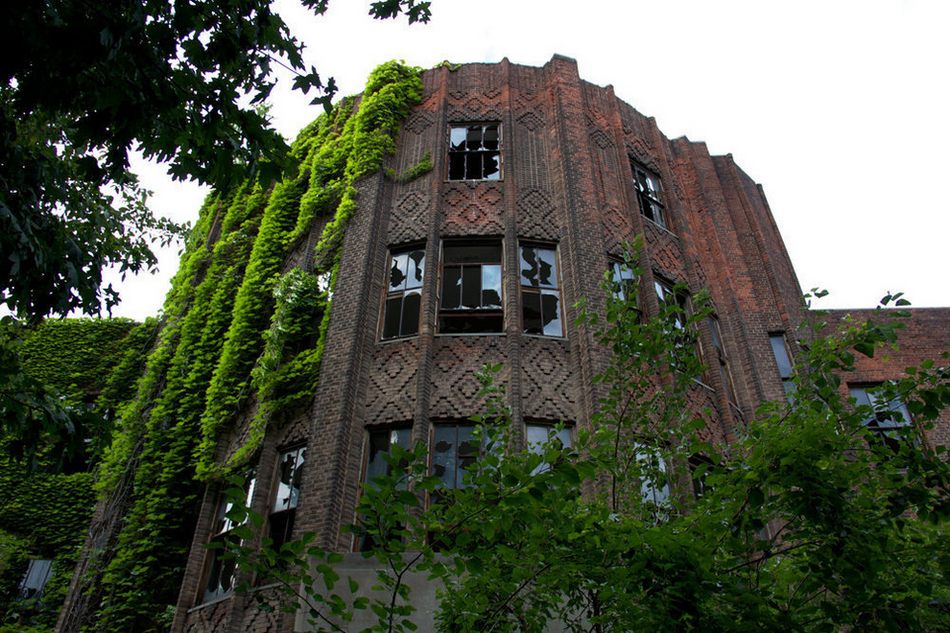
x,y
839,108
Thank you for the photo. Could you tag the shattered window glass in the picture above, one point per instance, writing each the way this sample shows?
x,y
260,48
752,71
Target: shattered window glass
x,y
539,434
404,295
380,441
889,419
540,293
475,152
471,298
783,361
287,496
654,480
220,578
624,281
649,194
455,449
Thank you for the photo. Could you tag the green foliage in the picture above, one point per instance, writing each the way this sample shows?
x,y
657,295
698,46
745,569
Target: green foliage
x,y
235,328
421,168
806,522
182,83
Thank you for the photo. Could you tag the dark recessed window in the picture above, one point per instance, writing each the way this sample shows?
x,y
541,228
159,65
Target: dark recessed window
x,y
722,361
888,420
454,449
475,152
287,496
783,360
649,194
677,302
406,270
540,291
540,434
471,288
220,569
381,442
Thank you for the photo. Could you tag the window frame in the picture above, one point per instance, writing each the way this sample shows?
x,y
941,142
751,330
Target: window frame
x,y
787,378
884,424
550,429
647,197
287,516
722,358
221,534
497,153
444,315
539,290
389,294
363,542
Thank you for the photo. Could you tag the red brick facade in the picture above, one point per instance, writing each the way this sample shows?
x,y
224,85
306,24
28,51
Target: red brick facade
x,y
566,182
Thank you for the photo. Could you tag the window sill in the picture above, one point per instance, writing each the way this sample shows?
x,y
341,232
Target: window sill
x,y
661,227
209,603
544,337
396,339
453,335
448,181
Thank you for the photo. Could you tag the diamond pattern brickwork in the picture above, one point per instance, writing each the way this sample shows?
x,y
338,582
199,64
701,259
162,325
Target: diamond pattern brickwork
x,y
665,252
472,208
454,385
391,395
210,619
537,216
409,218
548,388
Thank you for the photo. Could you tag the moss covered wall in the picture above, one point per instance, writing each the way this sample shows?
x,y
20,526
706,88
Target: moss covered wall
x,y
242,332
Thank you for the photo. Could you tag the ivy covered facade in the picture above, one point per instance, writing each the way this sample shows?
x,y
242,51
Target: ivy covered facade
x,y
440,221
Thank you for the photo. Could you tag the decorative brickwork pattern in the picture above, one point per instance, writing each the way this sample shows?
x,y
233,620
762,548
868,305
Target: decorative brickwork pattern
x,y
472,208
548,387
212,618
409,217
665,252
419,122
618,228
537,216
392,389
455,361
701,401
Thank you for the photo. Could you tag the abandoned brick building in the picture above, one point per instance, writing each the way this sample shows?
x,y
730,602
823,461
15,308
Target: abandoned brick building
x,y
538,178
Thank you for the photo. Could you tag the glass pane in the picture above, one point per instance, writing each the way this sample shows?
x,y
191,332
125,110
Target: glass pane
x,y
547,261
471,287
456,166
479,253
378,446
457,138
538,434
473,167
491,286
551,313
656,214
443,457
490,137
288,476
780,351
661,291
529,266
397,272
391,316
714,332
416,269
410,313
468,451
491,166
531,313
452,288
474,138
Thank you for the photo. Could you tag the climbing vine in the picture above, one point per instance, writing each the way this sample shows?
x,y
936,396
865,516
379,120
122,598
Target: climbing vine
x,y
236,328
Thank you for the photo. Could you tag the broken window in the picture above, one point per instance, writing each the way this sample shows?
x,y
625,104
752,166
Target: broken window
x,y
539,434
624,281
404,293
455,448
222,569
649,195
671,298
381,442
699,466
475,152
783,360
540,294
34,580
654,478
287,496
471,288
889,420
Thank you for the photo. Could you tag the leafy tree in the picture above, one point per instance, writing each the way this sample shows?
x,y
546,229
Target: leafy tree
x,y
82,83
806,522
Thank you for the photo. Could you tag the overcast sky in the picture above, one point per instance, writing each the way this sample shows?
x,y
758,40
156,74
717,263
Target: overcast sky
x,y
840,109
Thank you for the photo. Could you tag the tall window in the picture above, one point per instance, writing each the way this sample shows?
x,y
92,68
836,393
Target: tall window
x,y
34,580
220,578
668,297
404,294
381,442
889,420
649,194
475,152
654,480
783,360
287,496
624,281
539,434
540,293
471,288
455,448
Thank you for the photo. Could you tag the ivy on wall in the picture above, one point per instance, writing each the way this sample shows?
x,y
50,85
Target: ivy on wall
x,y
236,330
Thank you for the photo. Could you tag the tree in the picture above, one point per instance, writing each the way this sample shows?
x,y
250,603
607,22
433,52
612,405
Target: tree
x,y
83,83
807,522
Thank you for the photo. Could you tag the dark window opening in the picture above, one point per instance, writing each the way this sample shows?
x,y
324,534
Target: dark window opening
x,y
475,152
381,442
540,293
649,194
699,466
471,301
889,420
287,496
221,568
783,360
722,361
624,282
34,580
404,293
540,434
